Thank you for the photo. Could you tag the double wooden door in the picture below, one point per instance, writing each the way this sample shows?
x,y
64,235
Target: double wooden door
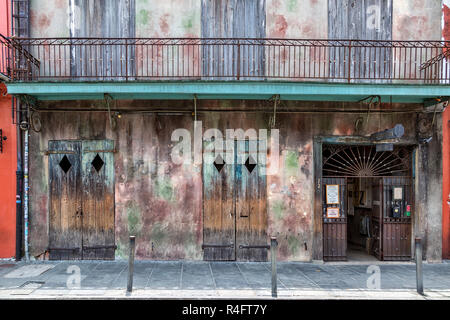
x,y
81,213
391,236
234,202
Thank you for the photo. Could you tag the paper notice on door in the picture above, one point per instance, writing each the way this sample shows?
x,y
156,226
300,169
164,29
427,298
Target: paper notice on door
x,y
332,193
332,212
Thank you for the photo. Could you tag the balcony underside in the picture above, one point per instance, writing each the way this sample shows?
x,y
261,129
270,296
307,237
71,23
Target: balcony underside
x,y
251,90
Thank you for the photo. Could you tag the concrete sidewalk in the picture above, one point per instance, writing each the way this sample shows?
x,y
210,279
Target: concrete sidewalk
x,y
216,280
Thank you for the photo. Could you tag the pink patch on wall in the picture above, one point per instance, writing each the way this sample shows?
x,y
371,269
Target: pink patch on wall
x,y
446,30
163,25
279,31
412,27
276,4
33,18
60,4
44,21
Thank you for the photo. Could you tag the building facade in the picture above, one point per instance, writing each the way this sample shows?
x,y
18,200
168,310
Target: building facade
x,y
113,89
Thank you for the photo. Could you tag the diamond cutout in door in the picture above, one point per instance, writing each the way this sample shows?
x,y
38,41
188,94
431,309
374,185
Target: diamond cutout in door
x,y
97,163
250,164
65,164
219,163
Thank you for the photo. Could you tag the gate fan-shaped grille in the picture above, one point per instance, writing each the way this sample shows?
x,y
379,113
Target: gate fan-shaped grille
x,y
365,161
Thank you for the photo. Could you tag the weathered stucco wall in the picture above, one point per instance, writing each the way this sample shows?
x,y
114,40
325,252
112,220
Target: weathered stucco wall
x,y
161,202
296,19
412,19
49,18
171,18
155,200
416,20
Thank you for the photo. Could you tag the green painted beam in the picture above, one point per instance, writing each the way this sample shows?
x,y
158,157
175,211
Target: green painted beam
x,y
162,90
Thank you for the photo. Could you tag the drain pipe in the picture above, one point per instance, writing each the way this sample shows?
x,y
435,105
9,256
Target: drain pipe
x,y
25,182
19,180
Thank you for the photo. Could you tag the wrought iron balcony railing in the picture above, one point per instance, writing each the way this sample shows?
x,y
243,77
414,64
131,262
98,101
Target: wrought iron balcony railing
x,y
109,59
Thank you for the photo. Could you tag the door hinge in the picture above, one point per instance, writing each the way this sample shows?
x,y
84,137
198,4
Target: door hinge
x,y
231,245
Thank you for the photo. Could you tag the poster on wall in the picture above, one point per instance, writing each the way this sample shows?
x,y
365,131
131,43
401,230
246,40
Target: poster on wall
x,y
332,212
332,191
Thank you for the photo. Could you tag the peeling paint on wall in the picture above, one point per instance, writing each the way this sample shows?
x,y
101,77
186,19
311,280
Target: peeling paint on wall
x,y
49,18
170,18
416,20
296,19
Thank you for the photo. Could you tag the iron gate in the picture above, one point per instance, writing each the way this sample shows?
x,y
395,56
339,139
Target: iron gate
x,y
392,199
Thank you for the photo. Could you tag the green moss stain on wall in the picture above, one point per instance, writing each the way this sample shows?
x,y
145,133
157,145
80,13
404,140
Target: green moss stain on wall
x,y
278,209
158,234
291,163
293,244
188,22
143,17
164,189
121,251
133,218
291,5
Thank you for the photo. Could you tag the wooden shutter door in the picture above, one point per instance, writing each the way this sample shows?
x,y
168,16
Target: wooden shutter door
x,y
218,206
251,215
65,236
98,199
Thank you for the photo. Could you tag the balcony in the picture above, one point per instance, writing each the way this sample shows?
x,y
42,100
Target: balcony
x,y
248,62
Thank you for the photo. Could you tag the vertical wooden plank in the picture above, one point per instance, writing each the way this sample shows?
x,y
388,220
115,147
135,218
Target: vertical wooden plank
x,y
318,226
98,199
65,199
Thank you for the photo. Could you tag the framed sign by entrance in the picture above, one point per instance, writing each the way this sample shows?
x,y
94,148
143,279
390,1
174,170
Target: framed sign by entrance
x,y
333,212
332,191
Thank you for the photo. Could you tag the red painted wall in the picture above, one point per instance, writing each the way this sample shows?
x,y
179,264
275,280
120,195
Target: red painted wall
x,y
446,158
8,163
446,186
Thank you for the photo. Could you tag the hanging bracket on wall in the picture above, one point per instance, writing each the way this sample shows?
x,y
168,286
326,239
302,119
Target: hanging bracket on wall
x,y
371,103
195,107
276,99
109,98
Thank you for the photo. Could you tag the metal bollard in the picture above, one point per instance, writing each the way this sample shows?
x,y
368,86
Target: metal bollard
x,y
419,274
273,251
131,264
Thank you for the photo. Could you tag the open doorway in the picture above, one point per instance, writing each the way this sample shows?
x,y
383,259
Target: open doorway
x,y
361,213
367,201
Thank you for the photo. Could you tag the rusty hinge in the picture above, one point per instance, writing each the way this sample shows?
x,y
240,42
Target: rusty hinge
x,y
100,151
245,246
64,249
231,245
47,152
100,247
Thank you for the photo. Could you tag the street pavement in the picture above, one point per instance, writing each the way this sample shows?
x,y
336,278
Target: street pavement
x,y
219,280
